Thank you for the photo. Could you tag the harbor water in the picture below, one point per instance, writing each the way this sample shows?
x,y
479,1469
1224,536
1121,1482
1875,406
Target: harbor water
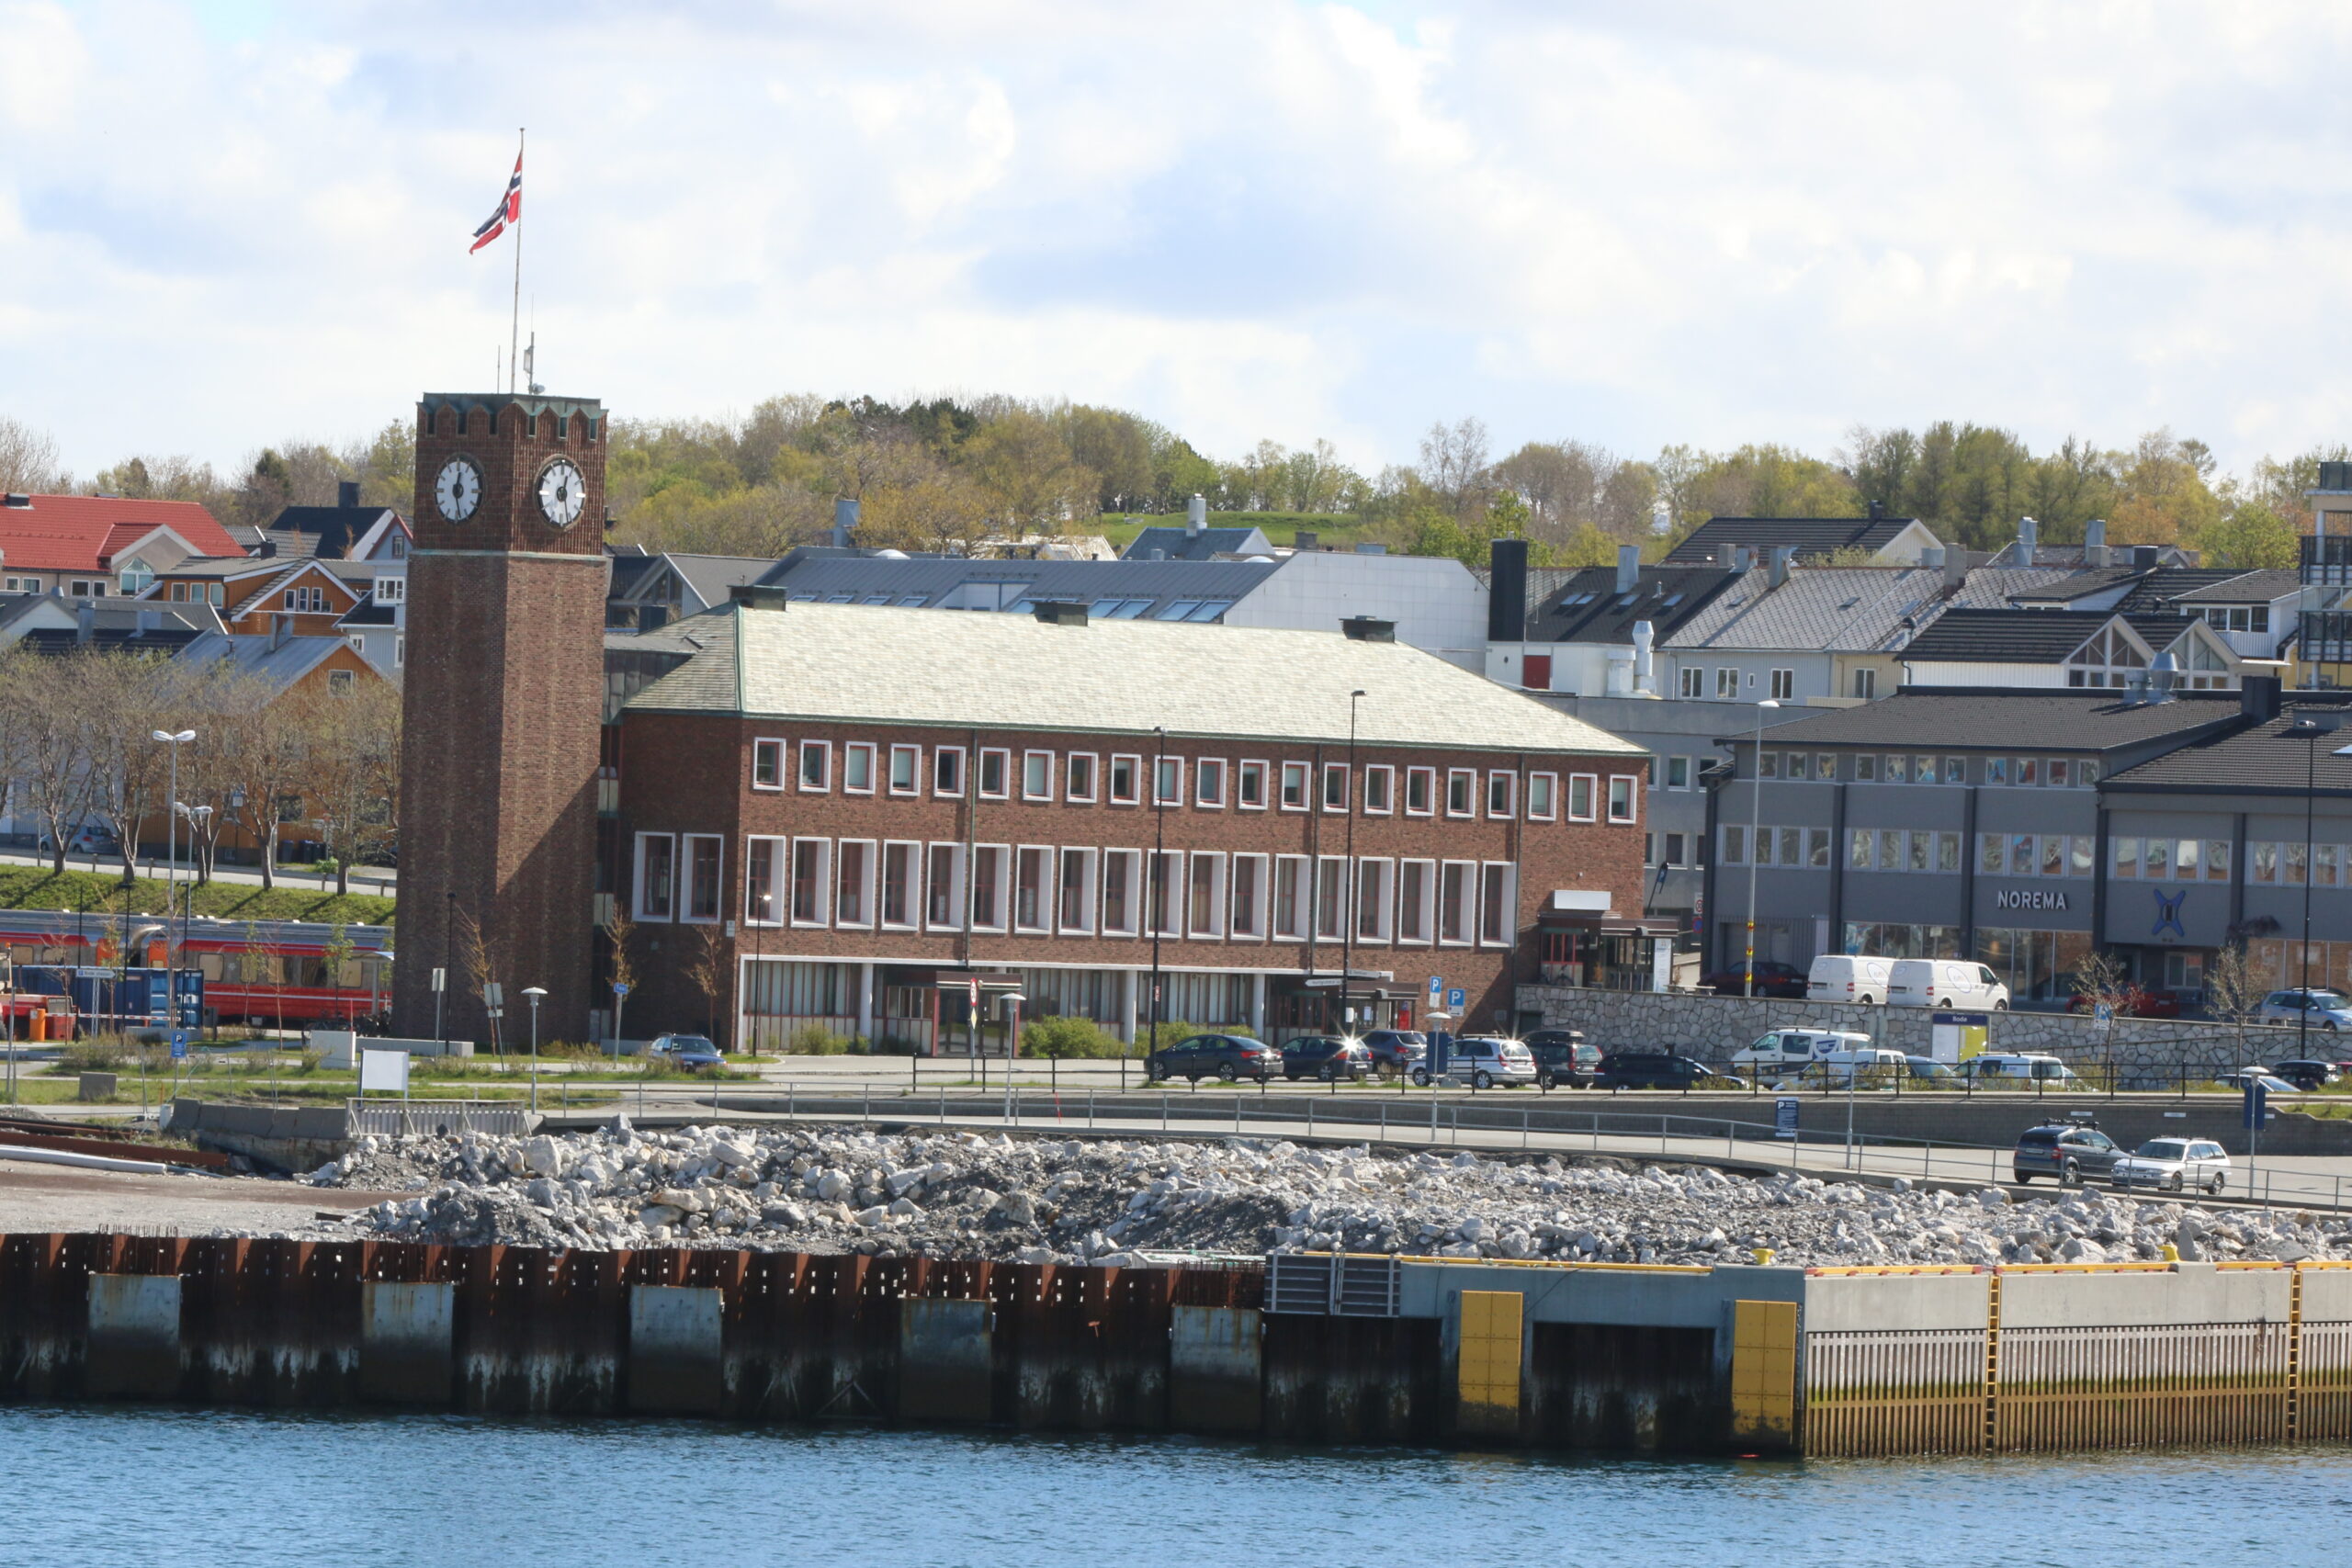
x,y
161,1486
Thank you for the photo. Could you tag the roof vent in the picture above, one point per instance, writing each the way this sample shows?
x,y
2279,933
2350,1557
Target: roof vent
x,y
2161,676
2028,539
1156,555
760,596
1303,539
13,498
844,521
1196,514
1780,554
1062,611
347,494
2143,558
1629,567
2258,697
1369,628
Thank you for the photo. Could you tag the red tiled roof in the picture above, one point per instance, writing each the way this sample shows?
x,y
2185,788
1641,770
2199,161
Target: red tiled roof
x,y
79,533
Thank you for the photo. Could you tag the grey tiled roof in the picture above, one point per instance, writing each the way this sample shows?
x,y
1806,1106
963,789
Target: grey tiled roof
x,y
886,666
2029,637
1839,609
1587,607
2245,587
1814,537
2260,759
853,579
1175,544
2036,720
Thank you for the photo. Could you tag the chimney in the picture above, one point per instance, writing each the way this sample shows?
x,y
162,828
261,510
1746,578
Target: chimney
x,y
1369,628
267,548
2029,540
1780,554
1645,637
1629,567
1878,512
2095,542
1060,612
1506,590
1932,558
2258,697
281,627
758,595
844,521
347,494
2143,558
1196,515
1955,566
1302,540
85,621
1743,557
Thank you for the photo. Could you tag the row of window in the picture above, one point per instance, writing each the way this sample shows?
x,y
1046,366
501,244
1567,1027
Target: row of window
x,y
1044,890
1084,778
1694,683
1869,767
1932,851
2267,862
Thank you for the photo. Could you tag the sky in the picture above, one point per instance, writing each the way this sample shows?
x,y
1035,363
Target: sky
x,y
222,225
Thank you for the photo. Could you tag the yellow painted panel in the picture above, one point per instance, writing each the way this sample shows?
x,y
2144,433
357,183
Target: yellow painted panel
x,y
1488,1362
1764,1368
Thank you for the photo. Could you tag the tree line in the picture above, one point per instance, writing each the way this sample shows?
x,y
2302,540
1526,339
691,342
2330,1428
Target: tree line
x,y
946,473
78,748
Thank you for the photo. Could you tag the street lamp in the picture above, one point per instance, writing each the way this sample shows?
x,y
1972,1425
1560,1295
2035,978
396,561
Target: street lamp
x,y
1755,818
1152,904
171,864
1348,883
532,993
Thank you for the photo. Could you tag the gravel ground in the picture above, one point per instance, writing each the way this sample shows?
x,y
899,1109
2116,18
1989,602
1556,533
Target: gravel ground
x,y
1030,1199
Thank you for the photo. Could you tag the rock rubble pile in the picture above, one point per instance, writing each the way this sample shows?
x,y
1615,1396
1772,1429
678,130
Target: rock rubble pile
x,y
1041,1201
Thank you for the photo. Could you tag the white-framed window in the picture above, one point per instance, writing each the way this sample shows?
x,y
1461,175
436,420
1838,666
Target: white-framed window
x,y
1121,892
906,769
947,771
1784,685
389,590
1330,898
1168,781
1079,774
901,901
767,763
1727,686
1126,780
853,882
1379,789
1037,775
1416,900
1457,898
815,766
944,888
1208,782
1678,773
1033,888
1251,882
1250,786
1502,793
857,768
1543,797
657,876
1582,787
1693,681
1293,786
991,866
812,886
1420,791
762,881
1335,787
705,858
1074,902
1291,896
1164,893
1376,898
1621,799
996,773
1498,904
1461,792
1205,896
1866,683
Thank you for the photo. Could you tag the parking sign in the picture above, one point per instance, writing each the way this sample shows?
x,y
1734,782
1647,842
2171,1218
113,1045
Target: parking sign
x,y
179,1044
1454,998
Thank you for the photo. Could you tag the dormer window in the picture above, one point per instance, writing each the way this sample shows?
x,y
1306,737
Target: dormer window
x,y
136,578
2108,659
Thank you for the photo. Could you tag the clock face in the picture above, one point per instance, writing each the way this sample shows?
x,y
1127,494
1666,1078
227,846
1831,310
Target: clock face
x,y
459,489
562,493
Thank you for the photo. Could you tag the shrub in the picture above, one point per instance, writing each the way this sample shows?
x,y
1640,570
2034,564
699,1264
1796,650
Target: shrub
x,y
1071,1037
816,1040
97,1054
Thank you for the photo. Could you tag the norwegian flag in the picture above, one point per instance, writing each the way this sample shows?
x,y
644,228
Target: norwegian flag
x,y
510,209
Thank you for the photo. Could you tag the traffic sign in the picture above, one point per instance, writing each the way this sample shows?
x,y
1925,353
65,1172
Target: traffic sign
x,y
1437,989
1784,1116
620,987
179,1044
1455,998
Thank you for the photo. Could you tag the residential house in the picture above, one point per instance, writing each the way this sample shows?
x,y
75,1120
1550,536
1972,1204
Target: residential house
x,y
96,546
1889,540
2093,649
345,531
1196,541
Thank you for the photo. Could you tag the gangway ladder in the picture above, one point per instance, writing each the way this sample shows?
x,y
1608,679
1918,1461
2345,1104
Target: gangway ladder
x,y
2294,1353
1992,1362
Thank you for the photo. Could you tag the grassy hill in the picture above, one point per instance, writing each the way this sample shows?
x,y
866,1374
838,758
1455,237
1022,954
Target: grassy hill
x,y
37,887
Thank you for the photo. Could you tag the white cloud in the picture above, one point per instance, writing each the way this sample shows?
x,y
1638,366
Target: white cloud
x,y
1706,223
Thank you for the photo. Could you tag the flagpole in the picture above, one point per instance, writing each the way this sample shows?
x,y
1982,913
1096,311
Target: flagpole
x,y
514,319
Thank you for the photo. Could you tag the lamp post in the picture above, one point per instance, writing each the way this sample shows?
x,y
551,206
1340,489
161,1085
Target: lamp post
x,y
1755,818
1151,905
171,863
2307,731
532,993
200,818
1347,911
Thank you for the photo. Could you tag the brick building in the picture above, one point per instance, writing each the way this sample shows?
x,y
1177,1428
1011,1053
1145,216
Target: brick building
x,y
828,811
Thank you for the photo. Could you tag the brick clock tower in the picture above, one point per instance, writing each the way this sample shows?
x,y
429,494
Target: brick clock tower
x,y
502,706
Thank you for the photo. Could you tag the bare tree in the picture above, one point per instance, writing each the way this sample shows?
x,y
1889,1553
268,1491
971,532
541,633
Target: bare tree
x,y
1453,462
126,699
707,966
351,768
263,761
477,958
620,933
2100,982
28,463
2235,987
49,738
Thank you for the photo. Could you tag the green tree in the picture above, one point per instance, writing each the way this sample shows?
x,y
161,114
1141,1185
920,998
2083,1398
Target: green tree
x,y
2252,537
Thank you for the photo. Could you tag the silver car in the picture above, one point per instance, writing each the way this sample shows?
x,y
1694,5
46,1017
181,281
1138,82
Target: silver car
x,y
2318,1009
2174,1164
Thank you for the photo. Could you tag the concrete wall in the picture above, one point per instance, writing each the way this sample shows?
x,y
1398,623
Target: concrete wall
x,y
1871,1302
2191,1293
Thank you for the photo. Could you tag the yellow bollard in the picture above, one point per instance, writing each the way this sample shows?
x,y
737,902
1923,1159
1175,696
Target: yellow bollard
x,y
2172,1253
1763,1256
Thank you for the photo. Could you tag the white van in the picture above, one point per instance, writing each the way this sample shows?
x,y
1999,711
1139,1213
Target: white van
x,y
1786,1050
2002,1068
1848,978
1848,1066
1946,983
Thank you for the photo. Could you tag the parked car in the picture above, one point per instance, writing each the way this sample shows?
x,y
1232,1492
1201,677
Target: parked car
x,y
1329,1057
2133,1001
1868,1065
1658,1069
1929,1070
1785,1050
1483,1061
1945,983
1396,1051
1773,979
2306,1075
1226,1056
2017,1069
2315,1007
2071,1151
2174,1164
1848,977
691,1052
1562,1058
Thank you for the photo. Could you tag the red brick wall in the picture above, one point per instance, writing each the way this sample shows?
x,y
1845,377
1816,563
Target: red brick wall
x,y
683,773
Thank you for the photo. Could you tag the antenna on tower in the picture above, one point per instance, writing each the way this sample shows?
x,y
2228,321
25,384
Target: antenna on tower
x,y
530,366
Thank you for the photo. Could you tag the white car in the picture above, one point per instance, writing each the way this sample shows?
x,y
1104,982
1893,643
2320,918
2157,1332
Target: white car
x,y
1786,1050
1484,1061
2318,1009
2174,1164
